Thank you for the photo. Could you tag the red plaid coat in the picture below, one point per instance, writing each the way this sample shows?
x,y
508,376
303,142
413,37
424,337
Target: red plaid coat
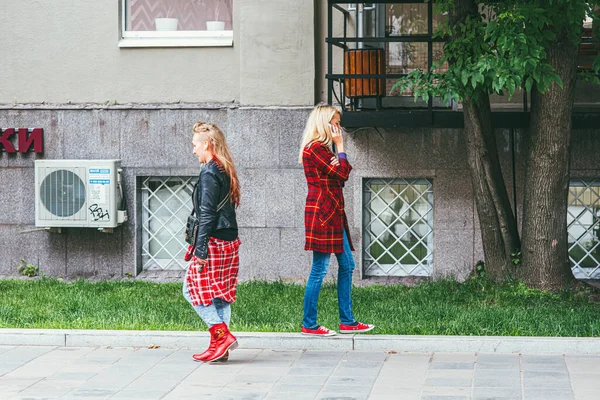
x,y
218,278
324,215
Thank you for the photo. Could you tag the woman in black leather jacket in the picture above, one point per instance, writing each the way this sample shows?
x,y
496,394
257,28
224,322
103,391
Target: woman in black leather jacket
x,y
211,278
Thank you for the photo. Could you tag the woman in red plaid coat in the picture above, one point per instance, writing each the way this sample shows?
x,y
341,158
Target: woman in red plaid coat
x,y
325,219
211,279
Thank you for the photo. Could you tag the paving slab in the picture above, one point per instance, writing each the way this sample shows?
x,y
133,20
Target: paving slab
x,y
449,382
5,348
546,379
336,396
454,357
50,389
446,391
310,371
401,380
89,394
451,373
23,354
289,396
545,394
305,389
499,393
453,365
306,380
405,396
139,394
543,362
586,395
398,391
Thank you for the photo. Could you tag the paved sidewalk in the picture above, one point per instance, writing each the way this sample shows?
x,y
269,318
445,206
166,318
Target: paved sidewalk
x,y
50,372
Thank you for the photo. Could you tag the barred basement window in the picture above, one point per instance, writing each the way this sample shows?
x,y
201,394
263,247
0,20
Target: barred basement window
x,y
166,204
583,221
398,227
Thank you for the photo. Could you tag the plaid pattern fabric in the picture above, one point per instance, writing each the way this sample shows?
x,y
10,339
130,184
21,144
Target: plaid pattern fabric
x,y
324,215
218,278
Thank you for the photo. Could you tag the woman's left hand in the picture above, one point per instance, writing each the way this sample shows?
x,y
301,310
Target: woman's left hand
x,y
202,261
189,253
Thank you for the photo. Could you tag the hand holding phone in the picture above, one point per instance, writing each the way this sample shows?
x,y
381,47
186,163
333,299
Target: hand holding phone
x,y
337,137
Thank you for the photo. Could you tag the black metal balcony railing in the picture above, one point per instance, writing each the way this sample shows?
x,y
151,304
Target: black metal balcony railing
x,y
362,89
371,43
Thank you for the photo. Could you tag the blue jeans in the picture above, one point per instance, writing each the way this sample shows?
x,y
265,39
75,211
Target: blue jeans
x,y
319,269
217,312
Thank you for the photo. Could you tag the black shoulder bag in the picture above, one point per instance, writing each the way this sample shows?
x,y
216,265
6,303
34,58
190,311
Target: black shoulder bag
x,y
191,226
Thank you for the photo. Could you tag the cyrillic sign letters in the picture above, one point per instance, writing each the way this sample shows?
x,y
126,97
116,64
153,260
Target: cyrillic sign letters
x,y
26,138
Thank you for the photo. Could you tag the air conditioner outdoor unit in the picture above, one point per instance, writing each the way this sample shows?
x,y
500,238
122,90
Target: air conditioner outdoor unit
x,y
79,193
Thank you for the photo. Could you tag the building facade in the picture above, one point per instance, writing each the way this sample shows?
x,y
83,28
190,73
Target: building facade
x,y
126,80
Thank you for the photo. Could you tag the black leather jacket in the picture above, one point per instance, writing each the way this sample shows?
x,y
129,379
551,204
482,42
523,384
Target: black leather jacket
x,y
213,185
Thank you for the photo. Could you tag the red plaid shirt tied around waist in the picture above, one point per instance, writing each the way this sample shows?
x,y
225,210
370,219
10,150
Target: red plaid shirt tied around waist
x,y
324,216
218,277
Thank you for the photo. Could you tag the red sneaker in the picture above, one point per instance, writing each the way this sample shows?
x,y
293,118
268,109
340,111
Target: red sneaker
x,y
320,331
358,328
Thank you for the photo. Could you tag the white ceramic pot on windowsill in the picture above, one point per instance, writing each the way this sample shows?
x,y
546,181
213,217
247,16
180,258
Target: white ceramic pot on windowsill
x,y
166,24
215,25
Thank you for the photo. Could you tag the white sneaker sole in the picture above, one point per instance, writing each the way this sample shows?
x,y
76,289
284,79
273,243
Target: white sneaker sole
x,y
331,333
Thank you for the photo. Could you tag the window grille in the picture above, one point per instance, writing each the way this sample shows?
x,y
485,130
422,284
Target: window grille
x,y
583,221
166,204
398,227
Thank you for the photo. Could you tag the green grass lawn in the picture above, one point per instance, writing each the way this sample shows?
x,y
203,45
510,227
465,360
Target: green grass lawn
x,y
439,308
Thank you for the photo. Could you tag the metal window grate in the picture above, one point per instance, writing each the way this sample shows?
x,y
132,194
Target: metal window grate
x,y
583,221
398,227
166,204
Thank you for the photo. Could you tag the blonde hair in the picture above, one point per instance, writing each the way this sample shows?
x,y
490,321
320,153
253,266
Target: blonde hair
x,y
317,126
216,137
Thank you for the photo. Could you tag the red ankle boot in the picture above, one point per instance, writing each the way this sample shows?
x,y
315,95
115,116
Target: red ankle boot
x,y
207,352
224,341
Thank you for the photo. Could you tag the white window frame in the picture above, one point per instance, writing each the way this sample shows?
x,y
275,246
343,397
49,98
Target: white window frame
x,y
133,39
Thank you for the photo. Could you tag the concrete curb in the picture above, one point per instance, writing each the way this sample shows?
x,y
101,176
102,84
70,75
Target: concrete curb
x,y
482,344
248,340
280,341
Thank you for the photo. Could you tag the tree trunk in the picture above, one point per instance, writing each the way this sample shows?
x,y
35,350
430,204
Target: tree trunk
x,y
545,250
498,225
497,221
